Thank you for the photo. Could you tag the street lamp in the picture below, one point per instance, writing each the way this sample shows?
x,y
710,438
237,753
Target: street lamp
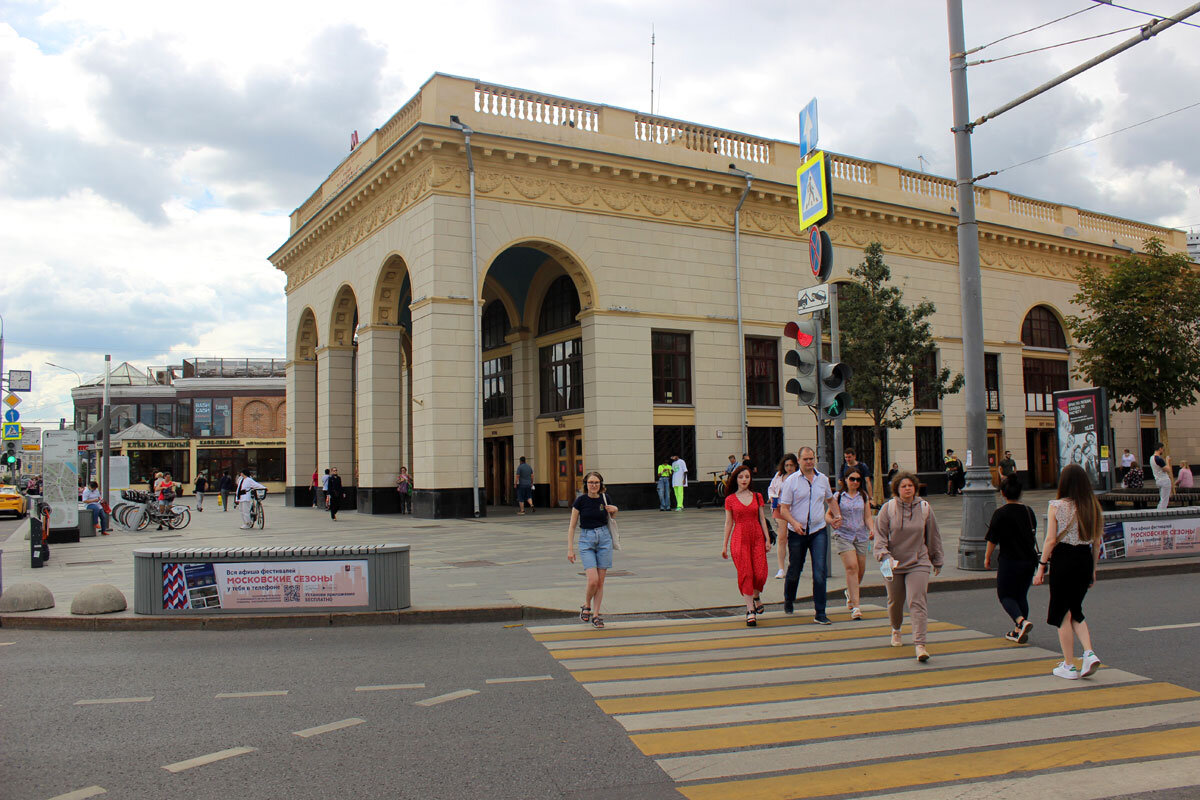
x,y
68,369
737,283
477,350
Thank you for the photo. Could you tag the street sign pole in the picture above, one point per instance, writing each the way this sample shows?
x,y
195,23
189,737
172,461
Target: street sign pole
x,y
820,448
835,351
104,482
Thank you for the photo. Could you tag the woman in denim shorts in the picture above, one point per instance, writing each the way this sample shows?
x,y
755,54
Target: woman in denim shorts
x,y
853,527
590,514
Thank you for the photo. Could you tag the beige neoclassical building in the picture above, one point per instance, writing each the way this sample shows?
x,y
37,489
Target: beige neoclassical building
x,y
607,307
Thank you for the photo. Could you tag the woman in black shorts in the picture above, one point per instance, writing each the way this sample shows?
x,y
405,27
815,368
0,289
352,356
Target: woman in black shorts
x,y
1013,529
1073,529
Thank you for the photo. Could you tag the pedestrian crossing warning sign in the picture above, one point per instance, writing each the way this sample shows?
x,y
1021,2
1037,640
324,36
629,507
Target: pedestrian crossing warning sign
x,y
813,190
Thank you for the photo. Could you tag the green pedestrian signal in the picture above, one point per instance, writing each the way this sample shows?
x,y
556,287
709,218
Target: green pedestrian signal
x,y
835,401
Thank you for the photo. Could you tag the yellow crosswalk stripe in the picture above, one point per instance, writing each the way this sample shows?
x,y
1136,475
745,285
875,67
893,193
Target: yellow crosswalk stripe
x,y
884,653
958,767
584,634
830,688
805,730
750,640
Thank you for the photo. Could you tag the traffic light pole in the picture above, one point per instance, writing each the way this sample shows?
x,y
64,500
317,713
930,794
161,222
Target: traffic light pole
x,y
835,352
820,447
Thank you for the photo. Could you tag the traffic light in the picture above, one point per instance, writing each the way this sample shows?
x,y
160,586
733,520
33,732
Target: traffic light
x,y
805,358
10,456
835,400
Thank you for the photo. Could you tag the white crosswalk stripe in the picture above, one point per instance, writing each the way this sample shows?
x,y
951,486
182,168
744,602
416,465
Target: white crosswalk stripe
x,y
730,711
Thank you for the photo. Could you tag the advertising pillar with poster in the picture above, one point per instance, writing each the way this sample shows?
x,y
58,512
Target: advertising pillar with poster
x,y
1082,434
60,477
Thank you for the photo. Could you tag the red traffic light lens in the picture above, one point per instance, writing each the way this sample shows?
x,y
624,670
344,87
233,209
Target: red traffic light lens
x,y
792,331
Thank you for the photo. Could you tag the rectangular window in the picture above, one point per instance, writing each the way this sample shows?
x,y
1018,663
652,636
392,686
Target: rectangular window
x,y
146,414
183,418
762,372
497,378
677,440
766,450
222,416
991,380
212,416
121,417
562,376
1043,377
924,382
202,416
929,450
671,367
164,418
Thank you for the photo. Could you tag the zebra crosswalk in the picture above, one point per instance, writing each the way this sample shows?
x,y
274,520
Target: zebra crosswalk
x,y
789,710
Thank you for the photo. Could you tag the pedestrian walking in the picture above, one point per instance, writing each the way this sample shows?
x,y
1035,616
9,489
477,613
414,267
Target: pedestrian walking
x,y
679,472
1008,465
853,526
224,487
891,475
1074,524
524,479
244,497
907,538
403,490
1164,478
1185,479
787,466
316,489
1013,529
664,473
333,492
200,488
850,462
591,513
802,506
325,489
746,538
91,499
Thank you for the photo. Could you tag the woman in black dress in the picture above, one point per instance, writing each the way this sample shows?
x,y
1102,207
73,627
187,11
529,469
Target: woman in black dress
x,y
1074,526
1013,529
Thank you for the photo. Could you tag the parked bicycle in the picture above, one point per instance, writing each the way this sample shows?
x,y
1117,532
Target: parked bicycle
x,y
142,509
718,498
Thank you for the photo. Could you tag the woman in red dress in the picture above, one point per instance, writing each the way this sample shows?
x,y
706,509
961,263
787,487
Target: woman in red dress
x,y
746,536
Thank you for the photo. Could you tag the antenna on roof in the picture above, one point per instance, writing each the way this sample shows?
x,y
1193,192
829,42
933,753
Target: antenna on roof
x,y
922,160
652,68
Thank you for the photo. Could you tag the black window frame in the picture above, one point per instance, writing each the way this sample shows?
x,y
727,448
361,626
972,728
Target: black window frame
x,y
496,388
677,440
1041,328
924,380
762,372
560,376
1041,377
494,326
560,306
766,448
671,367
991,380
929,442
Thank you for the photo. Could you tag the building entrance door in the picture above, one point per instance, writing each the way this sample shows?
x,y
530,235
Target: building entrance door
x,y
995,451
1040,446
498,471
566,448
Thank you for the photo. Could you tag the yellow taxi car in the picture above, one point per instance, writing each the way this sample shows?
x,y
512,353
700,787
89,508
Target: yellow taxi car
x,y
12,501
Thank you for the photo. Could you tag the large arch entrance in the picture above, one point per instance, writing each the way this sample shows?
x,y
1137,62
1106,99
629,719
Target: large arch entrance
x,y
534,354
337,391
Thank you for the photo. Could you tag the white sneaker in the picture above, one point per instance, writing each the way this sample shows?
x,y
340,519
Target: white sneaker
x,y
1091,663
1068,671
779,575
246,527
855,613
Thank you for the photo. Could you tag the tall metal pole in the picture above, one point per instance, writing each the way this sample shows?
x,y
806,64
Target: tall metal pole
x,y
476,403
835,353
737,278
819,446
106,451
978,498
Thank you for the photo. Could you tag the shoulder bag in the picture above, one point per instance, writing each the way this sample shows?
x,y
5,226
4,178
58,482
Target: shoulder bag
x,y
769,531
612,526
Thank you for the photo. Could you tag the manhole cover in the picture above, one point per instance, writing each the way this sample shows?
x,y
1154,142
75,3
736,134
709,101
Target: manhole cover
x,y
86,563
472,563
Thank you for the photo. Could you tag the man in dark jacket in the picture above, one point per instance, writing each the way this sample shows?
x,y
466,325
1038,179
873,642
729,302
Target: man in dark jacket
x,y
334,493
225,487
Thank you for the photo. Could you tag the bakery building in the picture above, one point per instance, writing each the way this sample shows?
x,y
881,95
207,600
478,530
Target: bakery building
x,y
202,415
607,307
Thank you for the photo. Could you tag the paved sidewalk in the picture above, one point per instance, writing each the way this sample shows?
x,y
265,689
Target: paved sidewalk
x,y
498,565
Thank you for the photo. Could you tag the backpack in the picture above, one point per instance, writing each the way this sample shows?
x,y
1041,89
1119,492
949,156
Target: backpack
x,y
892,506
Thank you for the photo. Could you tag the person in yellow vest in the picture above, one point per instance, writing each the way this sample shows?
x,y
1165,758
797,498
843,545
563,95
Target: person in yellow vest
x,y
664,484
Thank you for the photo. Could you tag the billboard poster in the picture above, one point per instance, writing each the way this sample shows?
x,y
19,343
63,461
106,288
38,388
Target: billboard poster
x,y
1081,427
265,585
60,477
1151,538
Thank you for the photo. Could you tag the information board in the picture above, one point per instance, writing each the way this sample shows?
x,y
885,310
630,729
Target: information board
x,y
60,477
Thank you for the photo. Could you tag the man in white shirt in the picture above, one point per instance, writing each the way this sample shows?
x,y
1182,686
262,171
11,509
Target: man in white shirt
x,y
243,497
679,480
1127,459
802,505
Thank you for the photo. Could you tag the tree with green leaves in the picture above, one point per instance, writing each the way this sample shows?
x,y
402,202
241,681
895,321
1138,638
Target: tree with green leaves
x,y
1140,328
885,342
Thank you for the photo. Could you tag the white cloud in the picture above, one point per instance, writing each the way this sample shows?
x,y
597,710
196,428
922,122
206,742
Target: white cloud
x,y
150,151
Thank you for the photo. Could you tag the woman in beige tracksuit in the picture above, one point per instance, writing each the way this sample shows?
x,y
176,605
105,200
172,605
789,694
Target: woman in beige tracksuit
x,y
907,533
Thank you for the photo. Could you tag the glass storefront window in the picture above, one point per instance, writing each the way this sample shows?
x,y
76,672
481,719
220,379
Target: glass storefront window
x,y
211,416
144,463
222,416
265,463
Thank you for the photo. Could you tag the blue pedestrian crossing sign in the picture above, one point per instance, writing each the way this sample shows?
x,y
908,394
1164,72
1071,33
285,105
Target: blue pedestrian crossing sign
x,y
813,191
12,430
808,128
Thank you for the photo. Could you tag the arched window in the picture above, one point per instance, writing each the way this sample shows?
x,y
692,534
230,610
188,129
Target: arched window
x,y
559,307
494,325
1042,329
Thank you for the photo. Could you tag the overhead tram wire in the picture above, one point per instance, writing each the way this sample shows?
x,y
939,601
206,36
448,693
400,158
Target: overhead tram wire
x,y
1089,141
1028,30
1144,13
1052,46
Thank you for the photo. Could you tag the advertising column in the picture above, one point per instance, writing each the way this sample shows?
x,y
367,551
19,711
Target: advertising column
x,y
60,477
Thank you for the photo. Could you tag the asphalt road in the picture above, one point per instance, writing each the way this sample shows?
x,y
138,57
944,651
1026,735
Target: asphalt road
x,y
539,738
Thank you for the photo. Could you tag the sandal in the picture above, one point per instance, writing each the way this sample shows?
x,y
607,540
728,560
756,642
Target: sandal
x,y
597,623
896,640
759,608
585,613
751,620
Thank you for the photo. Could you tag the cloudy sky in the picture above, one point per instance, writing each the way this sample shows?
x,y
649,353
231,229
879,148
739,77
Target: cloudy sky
x,y
150,152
